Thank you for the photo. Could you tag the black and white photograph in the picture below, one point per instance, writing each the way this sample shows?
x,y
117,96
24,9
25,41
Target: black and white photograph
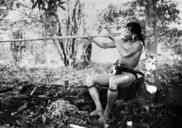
x,y
90,64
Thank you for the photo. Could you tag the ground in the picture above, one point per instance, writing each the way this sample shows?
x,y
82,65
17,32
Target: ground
x,y
37,97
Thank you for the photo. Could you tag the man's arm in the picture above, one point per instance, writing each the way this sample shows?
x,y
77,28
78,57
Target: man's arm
x,y
104,45
134,48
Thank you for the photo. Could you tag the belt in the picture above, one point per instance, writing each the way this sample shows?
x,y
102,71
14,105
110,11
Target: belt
x,y
123,68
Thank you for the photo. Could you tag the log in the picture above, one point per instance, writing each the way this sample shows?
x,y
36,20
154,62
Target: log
x,y
12,103
4,90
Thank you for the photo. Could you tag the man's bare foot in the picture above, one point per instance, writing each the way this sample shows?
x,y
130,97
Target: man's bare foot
x,y
104,119
97,112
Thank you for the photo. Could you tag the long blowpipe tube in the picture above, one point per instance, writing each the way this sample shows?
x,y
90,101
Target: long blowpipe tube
x,y
59,37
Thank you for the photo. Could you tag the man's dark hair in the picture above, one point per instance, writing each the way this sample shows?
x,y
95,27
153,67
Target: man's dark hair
x,y
135,28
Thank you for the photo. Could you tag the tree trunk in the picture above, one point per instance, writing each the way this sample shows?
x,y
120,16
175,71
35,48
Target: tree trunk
x,y
73,23
87,53
73,19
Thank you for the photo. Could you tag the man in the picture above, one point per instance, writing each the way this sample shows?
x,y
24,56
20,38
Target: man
x,y
130,49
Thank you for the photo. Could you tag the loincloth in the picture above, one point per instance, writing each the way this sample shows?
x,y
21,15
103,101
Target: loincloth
x,y
120,68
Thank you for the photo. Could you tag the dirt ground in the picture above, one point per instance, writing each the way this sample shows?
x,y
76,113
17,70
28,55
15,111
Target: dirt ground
x,y
32,98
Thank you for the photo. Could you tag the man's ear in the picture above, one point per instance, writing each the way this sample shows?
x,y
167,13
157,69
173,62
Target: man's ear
x,y
133,37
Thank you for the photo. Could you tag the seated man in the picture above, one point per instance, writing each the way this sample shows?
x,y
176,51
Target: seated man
x,y
130,49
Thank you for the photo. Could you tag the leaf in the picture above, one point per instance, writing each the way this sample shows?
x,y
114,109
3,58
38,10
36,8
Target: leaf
x,y
62,7
52,13
23,107
17,5
61,2
32,1
34,5
44,119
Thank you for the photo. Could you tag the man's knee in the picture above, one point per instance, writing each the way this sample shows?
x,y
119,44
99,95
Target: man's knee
x,y
90,81
112,84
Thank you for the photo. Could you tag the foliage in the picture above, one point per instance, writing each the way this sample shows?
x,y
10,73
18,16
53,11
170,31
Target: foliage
x,y
69,24
4,6
17,29
72,25
112,18
17,47
49,6
7,4
53,23
159,14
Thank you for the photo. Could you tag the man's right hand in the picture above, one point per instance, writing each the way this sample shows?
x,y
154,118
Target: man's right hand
x,y
89,38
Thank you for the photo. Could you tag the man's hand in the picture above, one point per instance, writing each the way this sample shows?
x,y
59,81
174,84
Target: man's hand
x,y
111,35
114,34
89,38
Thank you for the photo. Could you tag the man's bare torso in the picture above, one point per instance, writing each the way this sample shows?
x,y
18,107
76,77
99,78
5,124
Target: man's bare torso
x,y
129,52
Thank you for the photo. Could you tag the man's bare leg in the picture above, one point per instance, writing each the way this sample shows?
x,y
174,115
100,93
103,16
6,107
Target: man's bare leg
x,y
111,97
102,80
95,96
123,80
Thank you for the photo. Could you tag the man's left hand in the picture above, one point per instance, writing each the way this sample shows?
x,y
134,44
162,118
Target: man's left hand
x,y
89,38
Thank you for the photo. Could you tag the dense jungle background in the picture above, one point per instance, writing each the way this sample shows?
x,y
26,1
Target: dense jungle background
x,y
42,83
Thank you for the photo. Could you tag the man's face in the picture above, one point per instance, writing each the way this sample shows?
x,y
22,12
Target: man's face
x,y
127,33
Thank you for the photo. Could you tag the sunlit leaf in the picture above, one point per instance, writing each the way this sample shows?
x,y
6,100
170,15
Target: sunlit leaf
x,y
61,2
34,5
18,5
32,1
44,119
62,7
